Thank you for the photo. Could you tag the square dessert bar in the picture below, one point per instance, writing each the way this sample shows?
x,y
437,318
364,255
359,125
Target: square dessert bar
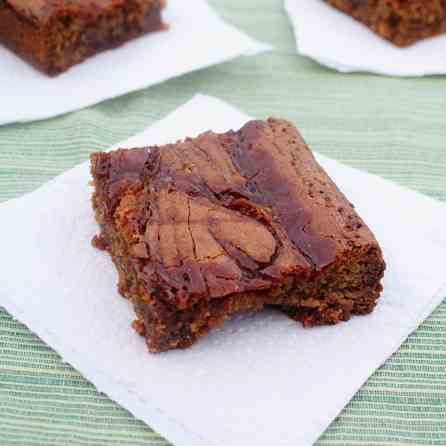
x,y
54,35
403,22
227,223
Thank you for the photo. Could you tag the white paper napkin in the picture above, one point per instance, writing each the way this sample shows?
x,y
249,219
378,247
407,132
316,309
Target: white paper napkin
x,y
338,41
197,38
261,374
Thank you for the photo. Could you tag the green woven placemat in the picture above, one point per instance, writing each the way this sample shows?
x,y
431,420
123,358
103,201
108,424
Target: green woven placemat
x,y
393,127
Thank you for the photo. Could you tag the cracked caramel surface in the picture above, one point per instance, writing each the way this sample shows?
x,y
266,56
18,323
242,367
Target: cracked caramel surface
x,y
246,216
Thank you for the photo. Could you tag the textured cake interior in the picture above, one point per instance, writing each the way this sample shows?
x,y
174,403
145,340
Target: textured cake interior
x,y
54,35
227,223
403,22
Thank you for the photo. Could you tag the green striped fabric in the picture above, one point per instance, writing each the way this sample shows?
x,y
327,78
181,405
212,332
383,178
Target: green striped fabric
x,y
392,127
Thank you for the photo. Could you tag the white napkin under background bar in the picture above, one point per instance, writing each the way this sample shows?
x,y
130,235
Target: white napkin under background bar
x,y
262,379
336,40
197,38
